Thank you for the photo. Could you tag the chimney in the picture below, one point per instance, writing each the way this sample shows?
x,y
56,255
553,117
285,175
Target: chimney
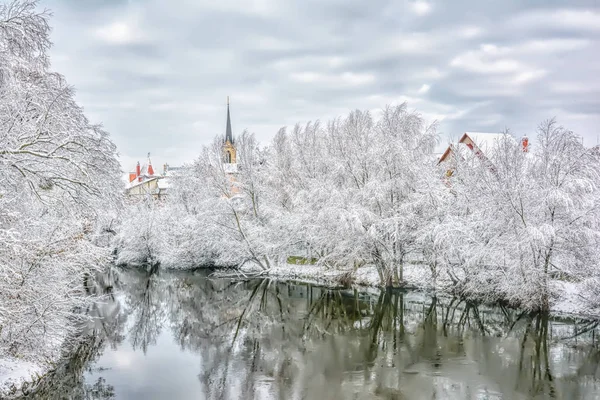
x,y
138,172
150,169
525,144
132,176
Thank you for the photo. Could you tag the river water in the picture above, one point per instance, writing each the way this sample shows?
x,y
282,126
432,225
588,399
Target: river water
x,y
185,336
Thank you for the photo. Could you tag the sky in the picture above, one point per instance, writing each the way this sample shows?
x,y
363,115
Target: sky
x,y
157,74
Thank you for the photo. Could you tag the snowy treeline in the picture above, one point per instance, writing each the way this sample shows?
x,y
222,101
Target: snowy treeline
x,y
520,223
341,193
57,171
367,192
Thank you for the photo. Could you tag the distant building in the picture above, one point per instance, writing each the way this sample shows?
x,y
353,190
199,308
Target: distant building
x,y
229,150
230,165
143,181
480,143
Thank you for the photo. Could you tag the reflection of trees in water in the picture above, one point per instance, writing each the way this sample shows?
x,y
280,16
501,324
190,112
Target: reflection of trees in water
x,y
262,339
336,344
538,372
105,327
240,330
67,380
107,320
100,390
145,308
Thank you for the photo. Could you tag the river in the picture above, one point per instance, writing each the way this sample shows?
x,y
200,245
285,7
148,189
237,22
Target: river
x,y
185,336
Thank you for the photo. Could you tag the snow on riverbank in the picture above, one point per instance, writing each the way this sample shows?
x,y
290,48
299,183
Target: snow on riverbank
x,y
414,275
14,373
570,302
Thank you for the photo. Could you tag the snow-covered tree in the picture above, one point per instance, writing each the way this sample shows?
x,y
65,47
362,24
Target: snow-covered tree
x,y
361,200
520,218
365,191
59,179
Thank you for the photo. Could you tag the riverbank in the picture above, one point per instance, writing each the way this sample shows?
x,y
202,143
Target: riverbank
x,y
416,277
18,374
15,374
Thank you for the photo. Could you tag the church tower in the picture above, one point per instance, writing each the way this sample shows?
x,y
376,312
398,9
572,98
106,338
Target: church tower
x,y
229,152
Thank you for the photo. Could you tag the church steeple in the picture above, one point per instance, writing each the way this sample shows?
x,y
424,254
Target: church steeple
x,y
228,134
229,152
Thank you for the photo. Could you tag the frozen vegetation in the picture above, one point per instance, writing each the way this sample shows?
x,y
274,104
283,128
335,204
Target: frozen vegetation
x,y
360,199
363,199
57,171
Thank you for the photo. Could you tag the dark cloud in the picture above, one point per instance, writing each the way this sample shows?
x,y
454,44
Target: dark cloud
x,y
157,73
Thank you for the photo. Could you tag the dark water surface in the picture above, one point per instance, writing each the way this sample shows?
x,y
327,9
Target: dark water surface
x,y
183,336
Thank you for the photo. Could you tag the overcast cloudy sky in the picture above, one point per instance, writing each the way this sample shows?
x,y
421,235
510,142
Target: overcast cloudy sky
x,y
157,73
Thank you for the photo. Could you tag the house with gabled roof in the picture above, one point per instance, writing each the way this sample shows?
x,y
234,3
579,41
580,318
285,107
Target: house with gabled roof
x,y
482,144
143,181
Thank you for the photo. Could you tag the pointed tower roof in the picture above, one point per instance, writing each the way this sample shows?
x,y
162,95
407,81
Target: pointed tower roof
x,y
228,134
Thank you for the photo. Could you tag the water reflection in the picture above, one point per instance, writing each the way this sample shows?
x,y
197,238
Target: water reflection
x,y
186,336
144,302
103,330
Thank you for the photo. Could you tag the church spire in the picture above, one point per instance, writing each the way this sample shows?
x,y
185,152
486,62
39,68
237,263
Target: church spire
x,y
228,134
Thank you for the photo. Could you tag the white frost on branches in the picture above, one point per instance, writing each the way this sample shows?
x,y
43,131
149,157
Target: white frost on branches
x,y
59,180
367,193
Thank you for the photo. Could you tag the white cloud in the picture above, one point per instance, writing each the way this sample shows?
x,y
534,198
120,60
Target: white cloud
x,y
537,46
335,62
167,106
421,7
479,62
247,98
529,76
415,43
424,88
262,42
306,77
357,79
470,32
308,62
572,19
514,65
430,73
575,87
491,48
264,8
349,78
119,32
554,45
